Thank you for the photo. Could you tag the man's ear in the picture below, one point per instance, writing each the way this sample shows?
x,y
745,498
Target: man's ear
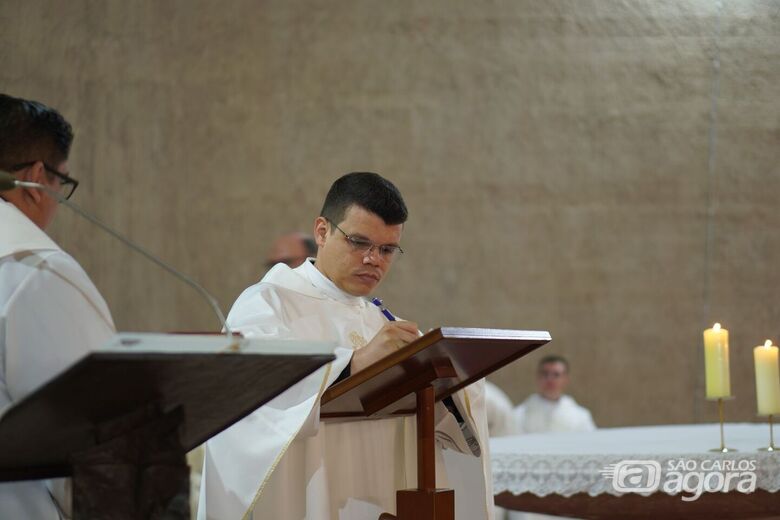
x,y
35,173
320,230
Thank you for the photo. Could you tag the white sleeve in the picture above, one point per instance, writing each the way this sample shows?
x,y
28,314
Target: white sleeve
x,y
257,313
260,313
53,319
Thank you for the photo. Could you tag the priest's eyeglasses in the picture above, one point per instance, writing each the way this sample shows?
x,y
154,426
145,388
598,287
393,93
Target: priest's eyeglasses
x,y
68,184
387,252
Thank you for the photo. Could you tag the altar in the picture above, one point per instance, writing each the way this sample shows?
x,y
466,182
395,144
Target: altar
x,y
643,472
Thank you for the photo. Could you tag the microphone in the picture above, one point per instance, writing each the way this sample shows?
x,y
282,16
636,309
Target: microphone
x,y
9,182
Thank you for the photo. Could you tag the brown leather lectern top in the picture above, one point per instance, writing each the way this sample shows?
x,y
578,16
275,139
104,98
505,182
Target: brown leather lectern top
x,y
410,381
121,419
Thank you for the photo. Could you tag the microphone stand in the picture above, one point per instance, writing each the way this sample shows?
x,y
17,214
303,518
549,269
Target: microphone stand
x,y
135,247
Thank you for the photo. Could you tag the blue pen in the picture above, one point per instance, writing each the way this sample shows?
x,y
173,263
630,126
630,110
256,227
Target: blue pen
x,y
383,309
471,439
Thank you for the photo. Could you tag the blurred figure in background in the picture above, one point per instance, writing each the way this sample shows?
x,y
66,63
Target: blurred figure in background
x,y
500,412
291,249
550,409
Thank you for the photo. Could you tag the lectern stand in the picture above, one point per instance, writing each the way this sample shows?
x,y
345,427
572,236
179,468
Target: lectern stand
x,y
121,419
411,381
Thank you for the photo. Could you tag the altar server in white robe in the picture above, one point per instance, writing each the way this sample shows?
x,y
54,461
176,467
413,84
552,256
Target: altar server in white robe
x,y
50,312
550,409
281,462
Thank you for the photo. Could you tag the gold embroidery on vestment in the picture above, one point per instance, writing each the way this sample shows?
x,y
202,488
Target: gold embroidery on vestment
x,y
358,341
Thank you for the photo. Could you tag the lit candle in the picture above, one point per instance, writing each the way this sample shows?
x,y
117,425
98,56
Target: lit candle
x,y
767,379
716,362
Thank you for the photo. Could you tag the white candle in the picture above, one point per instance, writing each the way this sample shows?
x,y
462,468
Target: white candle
x,y
767,379
716,362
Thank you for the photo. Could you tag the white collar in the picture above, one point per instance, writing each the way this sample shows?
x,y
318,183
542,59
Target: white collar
x,y
19,233
326,285
308,280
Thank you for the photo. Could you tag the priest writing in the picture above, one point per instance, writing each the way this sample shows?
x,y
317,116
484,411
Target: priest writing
x,y
280,462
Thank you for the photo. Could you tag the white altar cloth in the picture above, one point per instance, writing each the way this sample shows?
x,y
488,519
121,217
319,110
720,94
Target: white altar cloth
x,y
571,463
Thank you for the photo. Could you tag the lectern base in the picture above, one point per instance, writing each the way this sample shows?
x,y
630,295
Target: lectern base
x,y
420,504
137,471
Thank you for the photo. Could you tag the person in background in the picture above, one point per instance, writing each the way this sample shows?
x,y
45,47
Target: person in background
x,y
550,409
291,249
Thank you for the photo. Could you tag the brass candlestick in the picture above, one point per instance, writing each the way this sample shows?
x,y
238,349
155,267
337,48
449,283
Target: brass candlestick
x,y
771,446
723,448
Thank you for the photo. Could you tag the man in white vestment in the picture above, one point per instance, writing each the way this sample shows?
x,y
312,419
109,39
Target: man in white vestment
x,y
280,462
51,314
551,410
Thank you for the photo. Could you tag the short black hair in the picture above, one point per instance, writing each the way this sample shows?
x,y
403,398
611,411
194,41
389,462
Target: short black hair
x,y
368,190
553,358
31,131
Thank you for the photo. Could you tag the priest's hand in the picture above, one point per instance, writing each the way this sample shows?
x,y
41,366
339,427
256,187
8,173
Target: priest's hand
x,y
391,337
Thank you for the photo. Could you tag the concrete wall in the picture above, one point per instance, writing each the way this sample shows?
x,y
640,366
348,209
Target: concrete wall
x,y
554,155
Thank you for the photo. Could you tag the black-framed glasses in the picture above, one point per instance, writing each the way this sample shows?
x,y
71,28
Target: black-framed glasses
x,y
69,184
387,252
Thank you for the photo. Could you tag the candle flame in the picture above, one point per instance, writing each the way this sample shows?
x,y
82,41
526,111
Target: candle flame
x,y
768,343
716,327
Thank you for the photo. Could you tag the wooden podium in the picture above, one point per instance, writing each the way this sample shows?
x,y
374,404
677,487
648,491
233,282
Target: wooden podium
x,y
410,381
146,399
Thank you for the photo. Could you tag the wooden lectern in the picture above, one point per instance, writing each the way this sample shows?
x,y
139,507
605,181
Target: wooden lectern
x,y
121,419
410,381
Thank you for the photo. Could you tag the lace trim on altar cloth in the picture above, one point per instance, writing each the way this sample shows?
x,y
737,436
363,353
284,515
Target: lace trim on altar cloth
x,y
567,475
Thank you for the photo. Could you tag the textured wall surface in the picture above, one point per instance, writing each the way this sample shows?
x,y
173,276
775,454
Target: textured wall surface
x,y
555,156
